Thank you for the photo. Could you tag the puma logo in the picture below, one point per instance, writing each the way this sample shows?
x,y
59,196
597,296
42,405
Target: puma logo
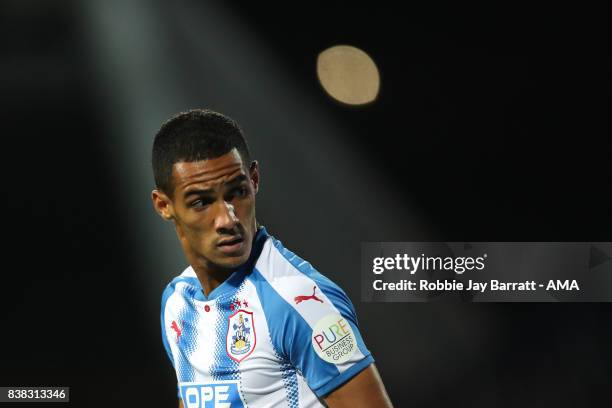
x,y
301,298
175,327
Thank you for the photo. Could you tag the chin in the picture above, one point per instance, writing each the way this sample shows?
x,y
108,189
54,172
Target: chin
x,y
233,262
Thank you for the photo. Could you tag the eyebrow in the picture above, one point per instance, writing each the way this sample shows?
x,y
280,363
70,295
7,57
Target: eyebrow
x,y
200,192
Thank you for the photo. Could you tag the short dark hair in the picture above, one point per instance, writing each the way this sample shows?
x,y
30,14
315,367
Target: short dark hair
x,y
194,135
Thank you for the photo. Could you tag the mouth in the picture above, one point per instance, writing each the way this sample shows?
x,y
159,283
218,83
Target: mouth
x,y
232,245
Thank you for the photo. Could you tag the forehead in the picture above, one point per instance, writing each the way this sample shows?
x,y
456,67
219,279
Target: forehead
x,y
210,171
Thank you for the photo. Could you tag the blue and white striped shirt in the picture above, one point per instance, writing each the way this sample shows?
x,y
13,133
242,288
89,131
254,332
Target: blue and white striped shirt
x,y
276,333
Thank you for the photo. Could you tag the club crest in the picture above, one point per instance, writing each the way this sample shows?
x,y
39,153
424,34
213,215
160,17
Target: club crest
x,y
241,340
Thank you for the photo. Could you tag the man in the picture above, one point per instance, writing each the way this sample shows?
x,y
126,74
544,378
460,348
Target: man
x,y
248,323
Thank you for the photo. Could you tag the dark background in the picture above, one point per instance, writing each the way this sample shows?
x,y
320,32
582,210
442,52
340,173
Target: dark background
x,y
491,122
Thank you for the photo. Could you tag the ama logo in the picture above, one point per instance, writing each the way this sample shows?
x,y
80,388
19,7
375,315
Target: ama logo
x,y
333,339
241,339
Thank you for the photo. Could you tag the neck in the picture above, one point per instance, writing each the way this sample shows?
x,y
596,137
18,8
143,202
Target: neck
x,y
210,278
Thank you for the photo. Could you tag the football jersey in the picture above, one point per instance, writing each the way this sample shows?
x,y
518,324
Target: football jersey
x,y
276,333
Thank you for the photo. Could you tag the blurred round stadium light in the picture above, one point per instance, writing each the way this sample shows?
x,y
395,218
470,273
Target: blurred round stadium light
x,y
348,74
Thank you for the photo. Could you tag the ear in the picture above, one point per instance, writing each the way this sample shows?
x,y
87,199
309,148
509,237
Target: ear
x,y
162,204
254,175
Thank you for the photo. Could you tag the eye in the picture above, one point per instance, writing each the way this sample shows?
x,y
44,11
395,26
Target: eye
x,y
196,204
199,204
241,192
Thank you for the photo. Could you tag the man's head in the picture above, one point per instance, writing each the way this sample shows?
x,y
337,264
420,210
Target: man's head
x,y
206,184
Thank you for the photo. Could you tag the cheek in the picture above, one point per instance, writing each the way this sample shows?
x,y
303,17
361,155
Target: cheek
x,y
201,240
196,220
245,208
196,226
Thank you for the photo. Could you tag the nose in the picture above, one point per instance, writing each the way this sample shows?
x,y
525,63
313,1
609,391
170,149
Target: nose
x,y
225,218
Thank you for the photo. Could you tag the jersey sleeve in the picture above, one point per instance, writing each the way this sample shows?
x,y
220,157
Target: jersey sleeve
x,y
328,349
166,294
312,322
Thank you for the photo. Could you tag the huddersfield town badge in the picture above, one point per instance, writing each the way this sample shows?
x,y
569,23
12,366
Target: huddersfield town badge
x,y
240,341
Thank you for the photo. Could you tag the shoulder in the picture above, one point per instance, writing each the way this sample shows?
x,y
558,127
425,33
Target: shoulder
x,y
280,265
297,281
185,281
300,304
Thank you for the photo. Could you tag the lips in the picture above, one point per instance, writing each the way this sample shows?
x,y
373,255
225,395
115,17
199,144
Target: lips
x,y
230,241
231,245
